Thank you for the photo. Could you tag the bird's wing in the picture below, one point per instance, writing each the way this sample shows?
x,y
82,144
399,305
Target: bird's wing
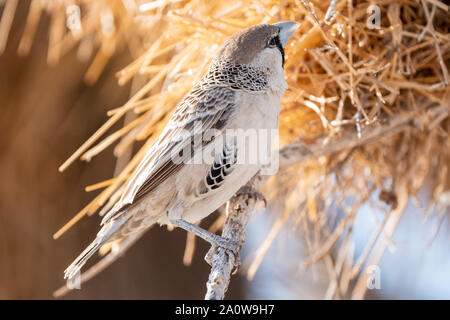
x,y
223,165
209,105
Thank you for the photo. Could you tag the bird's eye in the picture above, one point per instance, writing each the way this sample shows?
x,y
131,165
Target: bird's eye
x,y
272,42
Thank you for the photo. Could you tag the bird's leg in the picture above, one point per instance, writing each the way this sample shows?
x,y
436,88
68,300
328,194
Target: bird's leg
x,y
212,238
246,190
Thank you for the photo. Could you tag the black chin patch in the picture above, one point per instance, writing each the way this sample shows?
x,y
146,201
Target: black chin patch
x,y
280,47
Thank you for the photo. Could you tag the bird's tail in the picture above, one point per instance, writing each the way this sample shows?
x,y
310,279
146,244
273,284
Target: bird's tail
x,y
113,255
75,267
105,233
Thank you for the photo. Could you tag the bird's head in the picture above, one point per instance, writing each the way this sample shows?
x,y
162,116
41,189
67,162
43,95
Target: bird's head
x,y
261,47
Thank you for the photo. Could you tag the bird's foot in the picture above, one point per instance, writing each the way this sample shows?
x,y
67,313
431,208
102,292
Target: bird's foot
x,y
252,192
231,247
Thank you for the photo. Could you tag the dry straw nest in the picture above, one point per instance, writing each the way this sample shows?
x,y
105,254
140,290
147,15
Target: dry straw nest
x,y
367,102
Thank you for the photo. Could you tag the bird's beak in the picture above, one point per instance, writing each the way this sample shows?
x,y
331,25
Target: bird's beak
x,y
287,28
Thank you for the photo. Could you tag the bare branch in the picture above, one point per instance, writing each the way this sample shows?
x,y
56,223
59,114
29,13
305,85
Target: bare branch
x,y
223,262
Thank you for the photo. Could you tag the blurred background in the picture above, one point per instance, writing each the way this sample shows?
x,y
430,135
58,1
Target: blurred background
x,y
46,112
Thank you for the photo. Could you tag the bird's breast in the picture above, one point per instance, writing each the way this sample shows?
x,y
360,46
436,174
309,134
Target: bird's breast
x,y
256,111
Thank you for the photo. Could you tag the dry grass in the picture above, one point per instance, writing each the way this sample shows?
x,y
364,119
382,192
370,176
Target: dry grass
x,y
342,76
